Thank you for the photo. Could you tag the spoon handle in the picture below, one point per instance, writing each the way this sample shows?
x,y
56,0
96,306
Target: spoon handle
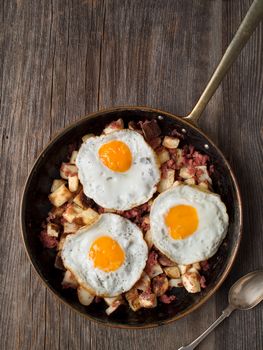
x,y
198,340
248,25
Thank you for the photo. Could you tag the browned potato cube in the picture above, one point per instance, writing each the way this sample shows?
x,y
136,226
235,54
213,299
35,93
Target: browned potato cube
x,y
172,272
85,298
191,282
132,297
154,270
71,213
80,200
87,217
114,304
67,170
147,300
148,239
190,182
160,285
185,173
86,137
175,282
69,280
73,183
144,282
70,227
183,268
166,182
196,266
56,184
170,142
73,157
114,126
52,230
60,196
163,156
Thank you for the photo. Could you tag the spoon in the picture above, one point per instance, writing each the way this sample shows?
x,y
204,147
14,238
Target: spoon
x,y
246,293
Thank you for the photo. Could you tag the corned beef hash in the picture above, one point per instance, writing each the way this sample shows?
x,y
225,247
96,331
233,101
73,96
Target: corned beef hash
x,y
134,218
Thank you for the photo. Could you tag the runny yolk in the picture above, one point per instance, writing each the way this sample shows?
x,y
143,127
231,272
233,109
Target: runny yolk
x,y
181,221
116,156
106,253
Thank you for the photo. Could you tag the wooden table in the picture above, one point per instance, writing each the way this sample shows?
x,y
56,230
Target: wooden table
x,y
63,59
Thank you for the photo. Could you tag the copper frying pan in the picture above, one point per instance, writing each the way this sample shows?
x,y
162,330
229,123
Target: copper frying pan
x,y
35,205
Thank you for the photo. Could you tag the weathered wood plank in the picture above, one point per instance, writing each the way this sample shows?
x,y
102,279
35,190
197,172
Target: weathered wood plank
x,y
62,59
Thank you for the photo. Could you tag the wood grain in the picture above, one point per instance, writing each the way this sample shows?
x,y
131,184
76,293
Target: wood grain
x,y
62,59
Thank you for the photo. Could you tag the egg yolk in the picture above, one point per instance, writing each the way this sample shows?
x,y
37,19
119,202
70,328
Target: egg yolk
x,y
106,253
116,156
181,221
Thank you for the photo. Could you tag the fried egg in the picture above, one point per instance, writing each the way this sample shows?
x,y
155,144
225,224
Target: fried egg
x,y
188,224
108,257
118,171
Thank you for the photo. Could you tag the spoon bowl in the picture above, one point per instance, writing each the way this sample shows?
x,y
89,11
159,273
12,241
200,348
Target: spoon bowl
x,y
247,292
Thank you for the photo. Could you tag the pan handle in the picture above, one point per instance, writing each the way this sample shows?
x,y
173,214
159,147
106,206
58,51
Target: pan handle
x,y
245,30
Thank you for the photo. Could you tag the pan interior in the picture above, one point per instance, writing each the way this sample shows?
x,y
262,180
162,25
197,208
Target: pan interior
x,y
35,208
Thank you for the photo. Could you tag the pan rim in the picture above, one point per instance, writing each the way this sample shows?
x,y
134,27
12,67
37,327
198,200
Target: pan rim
x,y
60,134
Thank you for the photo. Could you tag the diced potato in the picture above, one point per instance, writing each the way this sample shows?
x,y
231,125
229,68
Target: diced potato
x,y
85,298
114,126
72,212
179,157
204,176
69,280
175,283
193,269
60,196
79,199
81,217
56,184
166,182
155,270
144,282
87,217
73,157
203,186
170,142
109,301
160,285
61,242
86,137
132,297
57,212
70,227
147,300
183,268
67,170
113,307
191,282
73,183
165,261
109,210
163,156
190,181
52,230
177,183
197,266
172,272
148,239
185,173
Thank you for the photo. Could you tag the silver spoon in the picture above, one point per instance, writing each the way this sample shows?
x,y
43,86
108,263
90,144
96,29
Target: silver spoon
x,y
246,293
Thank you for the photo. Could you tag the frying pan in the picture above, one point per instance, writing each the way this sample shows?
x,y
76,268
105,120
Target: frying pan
x,y
35,205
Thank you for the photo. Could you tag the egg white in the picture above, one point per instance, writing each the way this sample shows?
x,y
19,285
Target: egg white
x,y
211,230
116,190
75,255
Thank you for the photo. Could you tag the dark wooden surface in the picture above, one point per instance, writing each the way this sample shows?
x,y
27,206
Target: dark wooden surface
x,y
62,59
